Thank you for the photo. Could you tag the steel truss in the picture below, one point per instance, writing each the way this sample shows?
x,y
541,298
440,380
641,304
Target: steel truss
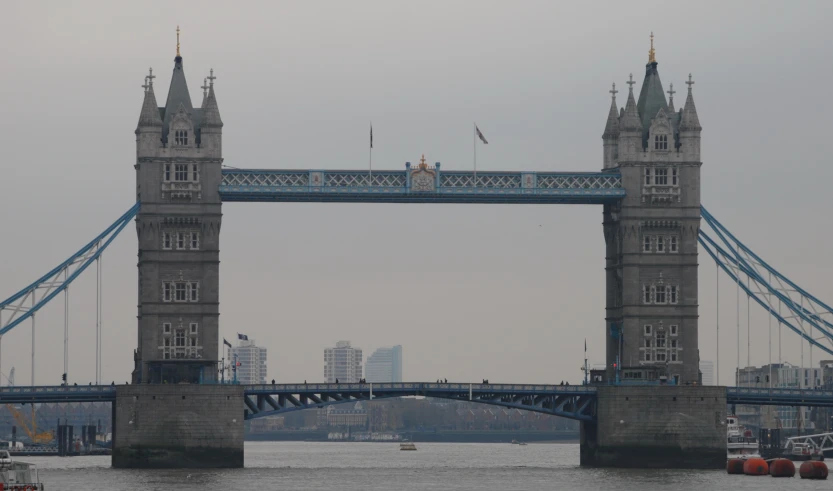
x,y
394,186
822,441
805,314
23,304
573,402
779,397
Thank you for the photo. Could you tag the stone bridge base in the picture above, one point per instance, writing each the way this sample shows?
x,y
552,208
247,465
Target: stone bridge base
x,y
178,426
657,427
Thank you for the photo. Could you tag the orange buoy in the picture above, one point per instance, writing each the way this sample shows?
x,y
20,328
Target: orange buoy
x,y
734,466
755,467
813,469
782,468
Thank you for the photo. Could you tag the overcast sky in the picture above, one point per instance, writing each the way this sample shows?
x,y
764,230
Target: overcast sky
x,y
505,292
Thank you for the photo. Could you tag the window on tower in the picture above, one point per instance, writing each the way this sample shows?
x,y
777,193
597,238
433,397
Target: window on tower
x,y
660,142
661,176
195,241
672,244
647,176
646,243
181,172
660,243
181,137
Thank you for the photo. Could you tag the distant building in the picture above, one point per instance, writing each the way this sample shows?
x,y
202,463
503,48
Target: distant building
x,y
384,365
340,416
707,369
780,376
251,361
343,363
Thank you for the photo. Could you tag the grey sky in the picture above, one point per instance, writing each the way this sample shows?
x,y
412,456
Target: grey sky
x,y
501,292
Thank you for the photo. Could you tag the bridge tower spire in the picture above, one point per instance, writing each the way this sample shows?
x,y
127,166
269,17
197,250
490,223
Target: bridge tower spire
x,y
651,238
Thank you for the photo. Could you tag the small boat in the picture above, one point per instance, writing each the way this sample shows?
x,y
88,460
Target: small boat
x,y
741,444
18,475
805,451
514,442
522,443
407,446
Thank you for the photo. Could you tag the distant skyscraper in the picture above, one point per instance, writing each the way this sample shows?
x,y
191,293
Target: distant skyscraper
x,y
707,368
384,365
252,362
342,363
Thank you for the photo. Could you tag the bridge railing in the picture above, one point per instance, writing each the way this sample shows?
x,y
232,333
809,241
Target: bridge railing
x,y
417,386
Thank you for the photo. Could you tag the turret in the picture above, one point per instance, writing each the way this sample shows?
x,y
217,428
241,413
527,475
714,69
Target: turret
x,y
610,136
630,128
690,128
149,129
211,128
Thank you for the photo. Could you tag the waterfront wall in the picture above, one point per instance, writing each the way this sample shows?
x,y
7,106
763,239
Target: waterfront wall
x,y
657,427
178,426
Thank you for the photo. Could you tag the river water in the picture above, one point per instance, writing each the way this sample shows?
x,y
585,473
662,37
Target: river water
x,y
382,466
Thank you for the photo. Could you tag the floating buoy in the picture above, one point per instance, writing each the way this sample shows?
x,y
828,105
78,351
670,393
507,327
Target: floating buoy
x,y
755,467
813,469
734,466
782,468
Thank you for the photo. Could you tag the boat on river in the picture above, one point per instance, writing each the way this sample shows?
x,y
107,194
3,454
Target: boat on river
x,y
18,476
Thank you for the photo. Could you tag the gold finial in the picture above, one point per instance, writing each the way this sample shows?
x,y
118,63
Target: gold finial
x,y
422,164
652,58
177,40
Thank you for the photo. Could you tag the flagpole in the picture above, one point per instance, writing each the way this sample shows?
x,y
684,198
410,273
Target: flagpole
x,y
474,146
371,156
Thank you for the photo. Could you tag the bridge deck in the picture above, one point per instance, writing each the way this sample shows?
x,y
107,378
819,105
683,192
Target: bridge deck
x,y
442,187
571,401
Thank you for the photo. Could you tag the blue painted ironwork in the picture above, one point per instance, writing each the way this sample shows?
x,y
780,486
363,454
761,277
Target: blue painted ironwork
x,y
805,313
572,401
60,393
779,397
396,186
56,280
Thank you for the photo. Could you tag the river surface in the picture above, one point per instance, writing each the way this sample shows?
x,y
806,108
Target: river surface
x,y
382,466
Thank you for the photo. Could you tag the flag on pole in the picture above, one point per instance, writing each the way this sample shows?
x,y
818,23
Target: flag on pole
x,y
585,345
480,135
242,337
371,136
226,343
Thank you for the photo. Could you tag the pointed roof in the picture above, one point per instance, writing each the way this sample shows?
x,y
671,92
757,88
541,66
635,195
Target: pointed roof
x,y
651,98
630,120
612,125
689,120
178,95
150,113
210,111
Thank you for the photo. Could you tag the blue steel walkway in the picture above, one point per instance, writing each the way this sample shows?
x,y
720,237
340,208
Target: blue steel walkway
x,y
420,185
570,401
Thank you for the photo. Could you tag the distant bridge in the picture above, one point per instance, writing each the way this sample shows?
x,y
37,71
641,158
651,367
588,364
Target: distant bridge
x,y
569,401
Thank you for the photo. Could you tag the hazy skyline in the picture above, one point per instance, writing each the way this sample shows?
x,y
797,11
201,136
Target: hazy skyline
x,y
504,292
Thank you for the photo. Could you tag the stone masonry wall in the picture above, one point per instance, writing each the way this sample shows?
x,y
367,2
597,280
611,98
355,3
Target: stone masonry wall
x,y
178,426
657,427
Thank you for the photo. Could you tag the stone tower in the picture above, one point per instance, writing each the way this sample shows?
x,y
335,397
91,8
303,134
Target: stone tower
x,y
178,173
651,235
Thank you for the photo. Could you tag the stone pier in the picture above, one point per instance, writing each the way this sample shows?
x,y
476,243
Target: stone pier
x,y
657,427
178,426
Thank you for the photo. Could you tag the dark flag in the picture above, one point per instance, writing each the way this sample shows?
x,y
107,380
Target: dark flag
x,y
226,343
242,337
480,135
585,345
371,136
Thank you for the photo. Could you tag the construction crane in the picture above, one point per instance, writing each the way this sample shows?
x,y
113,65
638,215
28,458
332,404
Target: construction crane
x,y
31,430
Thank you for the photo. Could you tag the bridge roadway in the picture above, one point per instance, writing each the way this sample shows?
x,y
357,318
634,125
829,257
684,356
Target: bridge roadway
x,y
570,401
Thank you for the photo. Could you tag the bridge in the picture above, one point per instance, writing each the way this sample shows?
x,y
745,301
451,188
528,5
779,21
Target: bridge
x,y
262,400
654,227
